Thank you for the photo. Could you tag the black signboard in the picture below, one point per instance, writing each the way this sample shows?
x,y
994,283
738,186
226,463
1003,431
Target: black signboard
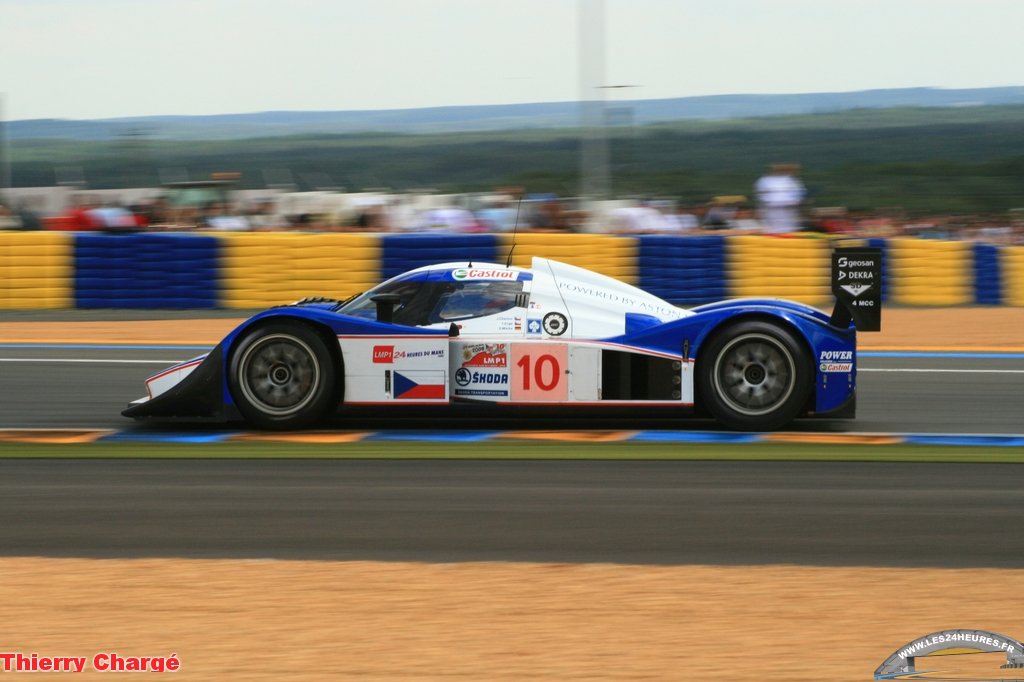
x,y
857,286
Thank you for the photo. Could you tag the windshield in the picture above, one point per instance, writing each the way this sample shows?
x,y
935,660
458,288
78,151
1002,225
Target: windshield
x,y
422,303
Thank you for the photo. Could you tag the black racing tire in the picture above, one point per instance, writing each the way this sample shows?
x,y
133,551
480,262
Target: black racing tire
x,y
754,375
283,376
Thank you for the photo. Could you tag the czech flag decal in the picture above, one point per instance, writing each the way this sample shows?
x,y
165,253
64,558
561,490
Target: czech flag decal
x,y
419,385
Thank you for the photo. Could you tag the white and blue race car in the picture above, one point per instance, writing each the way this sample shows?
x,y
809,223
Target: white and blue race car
x,y
551,335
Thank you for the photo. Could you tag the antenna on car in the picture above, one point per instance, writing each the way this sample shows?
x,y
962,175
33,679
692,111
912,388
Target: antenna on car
x,y
515,228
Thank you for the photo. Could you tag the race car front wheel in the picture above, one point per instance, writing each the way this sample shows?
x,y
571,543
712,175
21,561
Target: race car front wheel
x,y
282,377
754,376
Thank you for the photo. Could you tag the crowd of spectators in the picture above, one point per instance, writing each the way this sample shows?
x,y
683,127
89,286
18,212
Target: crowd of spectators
x,y
21,219
777,207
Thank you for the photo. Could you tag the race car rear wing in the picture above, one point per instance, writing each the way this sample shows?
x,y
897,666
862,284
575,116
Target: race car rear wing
x,y
857,286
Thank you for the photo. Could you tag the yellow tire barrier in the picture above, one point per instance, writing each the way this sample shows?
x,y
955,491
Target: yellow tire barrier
x,y
265,269
927,272
607,254
798,269
1013,275
257,270
36,270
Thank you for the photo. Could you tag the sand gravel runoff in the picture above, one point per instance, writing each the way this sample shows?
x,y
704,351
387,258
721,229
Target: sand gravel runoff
x,y
301,620
296,620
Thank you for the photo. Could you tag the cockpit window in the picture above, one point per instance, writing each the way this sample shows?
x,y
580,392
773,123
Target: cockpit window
x,y
461,300
422,303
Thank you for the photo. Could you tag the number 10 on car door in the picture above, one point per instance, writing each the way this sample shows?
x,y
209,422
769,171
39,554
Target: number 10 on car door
x,y
540,372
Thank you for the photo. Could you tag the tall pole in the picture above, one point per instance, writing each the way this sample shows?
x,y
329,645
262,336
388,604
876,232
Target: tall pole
x,y
594,183
5,153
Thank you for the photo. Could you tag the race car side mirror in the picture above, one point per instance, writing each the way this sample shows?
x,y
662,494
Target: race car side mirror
x,y
453,331
386,306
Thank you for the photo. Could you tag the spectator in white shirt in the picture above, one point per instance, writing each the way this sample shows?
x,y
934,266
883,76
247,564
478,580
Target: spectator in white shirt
x,y
779,195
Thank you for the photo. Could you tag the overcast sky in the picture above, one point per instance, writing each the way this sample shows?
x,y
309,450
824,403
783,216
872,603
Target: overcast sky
x,y
110,58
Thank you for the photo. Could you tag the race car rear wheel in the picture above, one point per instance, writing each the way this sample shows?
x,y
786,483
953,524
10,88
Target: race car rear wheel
x,y
754,376
282,376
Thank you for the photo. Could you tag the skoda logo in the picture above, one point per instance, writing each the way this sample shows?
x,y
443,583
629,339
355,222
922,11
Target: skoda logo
x,y
463,376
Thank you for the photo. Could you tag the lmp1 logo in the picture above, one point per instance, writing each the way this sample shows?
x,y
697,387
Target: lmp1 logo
x,y
902,663
383,355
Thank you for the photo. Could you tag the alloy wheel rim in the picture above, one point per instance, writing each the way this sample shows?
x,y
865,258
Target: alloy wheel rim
x,y
279,374
754,374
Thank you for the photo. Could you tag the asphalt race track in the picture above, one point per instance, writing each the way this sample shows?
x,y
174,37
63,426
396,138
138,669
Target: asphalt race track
x,y
550,511
625,512
88,388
